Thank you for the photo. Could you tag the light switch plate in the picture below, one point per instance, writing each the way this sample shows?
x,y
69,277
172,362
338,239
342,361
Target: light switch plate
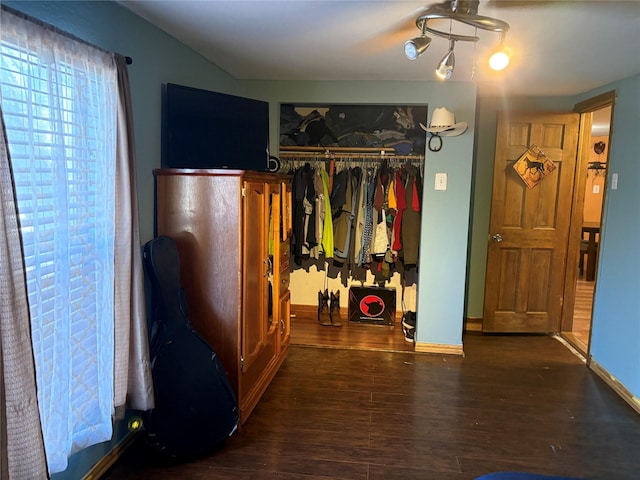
x,y
441,181
614,181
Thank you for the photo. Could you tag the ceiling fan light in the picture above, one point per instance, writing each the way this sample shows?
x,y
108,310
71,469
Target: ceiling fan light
x,y
499,60
416,46
446,65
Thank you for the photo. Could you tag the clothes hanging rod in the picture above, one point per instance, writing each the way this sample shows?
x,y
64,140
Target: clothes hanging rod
x,y
348,156
332,150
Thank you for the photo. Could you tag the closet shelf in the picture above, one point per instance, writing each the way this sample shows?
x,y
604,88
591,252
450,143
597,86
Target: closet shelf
x,y
329,150
343,153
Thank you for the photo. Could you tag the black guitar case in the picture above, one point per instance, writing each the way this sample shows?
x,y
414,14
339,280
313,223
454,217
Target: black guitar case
x,y
195,407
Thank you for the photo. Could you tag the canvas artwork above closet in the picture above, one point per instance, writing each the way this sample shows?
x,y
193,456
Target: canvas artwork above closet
x,y
356,175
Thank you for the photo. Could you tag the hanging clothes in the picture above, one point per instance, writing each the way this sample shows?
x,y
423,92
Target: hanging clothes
x,y
368,222
400,196
410,228
360,221
327,220
380,235
364,259
303,192
343,216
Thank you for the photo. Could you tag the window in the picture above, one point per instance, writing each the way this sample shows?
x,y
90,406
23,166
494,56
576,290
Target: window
x,y
59,101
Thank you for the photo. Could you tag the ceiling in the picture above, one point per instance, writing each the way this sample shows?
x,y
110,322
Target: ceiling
x,y
559,47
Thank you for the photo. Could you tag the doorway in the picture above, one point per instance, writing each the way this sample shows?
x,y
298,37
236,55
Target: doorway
x,y
530,220
588,202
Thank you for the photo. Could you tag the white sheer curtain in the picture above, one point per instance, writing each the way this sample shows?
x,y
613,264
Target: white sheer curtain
x,y
59,99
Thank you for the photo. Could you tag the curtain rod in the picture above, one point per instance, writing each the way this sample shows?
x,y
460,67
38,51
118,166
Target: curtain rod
x,y
57,30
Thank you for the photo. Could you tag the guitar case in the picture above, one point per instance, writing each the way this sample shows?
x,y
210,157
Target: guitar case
x,y
195,407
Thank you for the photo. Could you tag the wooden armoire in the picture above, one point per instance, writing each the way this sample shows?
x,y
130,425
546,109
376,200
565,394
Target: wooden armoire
x,y
232,231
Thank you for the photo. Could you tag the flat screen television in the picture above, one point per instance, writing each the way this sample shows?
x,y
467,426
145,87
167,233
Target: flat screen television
x,y
205,129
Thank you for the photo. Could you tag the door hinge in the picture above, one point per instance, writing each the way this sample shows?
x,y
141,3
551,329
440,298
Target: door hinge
x,y
241,363
244,192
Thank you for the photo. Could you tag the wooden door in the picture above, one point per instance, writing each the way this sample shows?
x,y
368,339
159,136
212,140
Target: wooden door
x,y
529,227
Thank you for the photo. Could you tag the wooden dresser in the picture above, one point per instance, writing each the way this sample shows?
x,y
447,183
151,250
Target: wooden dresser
x,y
232,231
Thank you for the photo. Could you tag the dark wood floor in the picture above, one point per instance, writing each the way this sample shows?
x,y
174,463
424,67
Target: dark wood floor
x,y
513,403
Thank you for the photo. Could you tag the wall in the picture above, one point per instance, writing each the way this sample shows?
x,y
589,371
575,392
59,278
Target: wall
x,y
445,214
594,190
616,310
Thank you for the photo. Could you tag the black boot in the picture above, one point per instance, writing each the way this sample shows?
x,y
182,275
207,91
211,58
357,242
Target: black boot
x,y
409,326
324,316
334,310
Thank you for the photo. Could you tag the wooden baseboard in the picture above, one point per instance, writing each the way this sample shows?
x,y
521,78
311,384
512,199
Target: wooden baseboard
x,y
305,311
615,384
439,348
473,324
107,461
310,311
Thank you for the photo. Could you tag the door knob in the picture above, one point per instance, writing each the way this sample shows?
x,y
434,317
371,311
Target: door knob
x,y
496,237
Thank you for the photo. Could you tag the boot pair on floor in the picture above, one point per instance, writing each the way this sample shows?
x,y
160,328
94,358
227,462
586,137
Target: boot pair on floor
x,y
329,309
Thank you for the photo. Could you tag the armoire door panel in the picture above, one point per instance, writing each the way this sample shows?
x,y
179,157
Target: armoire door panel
x,y
254,328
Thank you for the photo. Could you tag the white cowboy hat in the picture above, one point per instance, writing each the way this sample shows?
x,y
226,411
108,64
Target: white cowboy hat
x,y
443,123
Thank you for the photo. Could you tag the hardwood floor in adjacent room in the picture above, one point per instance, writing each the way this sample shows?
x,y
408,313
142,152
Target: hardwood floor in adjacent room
x,y
580,332
582,310
512,403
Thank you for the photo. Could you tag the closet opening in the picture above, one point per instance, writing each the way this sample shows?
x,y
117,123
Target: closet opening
x,y
354,246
